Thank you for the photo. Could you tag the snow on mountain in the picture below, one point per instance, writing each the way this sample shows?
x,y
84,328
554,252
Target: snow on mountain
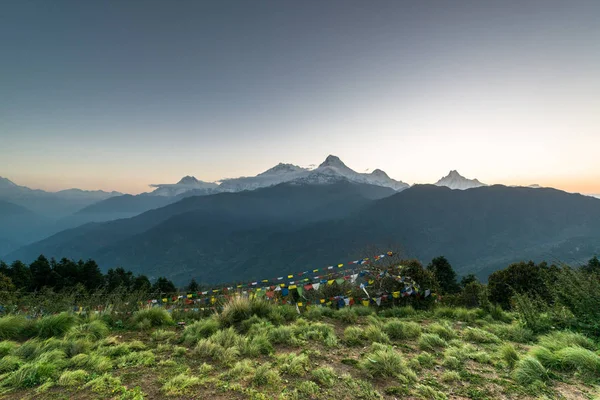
x,y
9,189
278,174
185,184
333,169
454,180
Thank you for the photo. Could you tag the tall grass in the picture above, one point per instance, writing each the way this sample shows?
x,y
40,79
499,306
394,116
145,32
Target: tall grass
x,y
55,325
530,370
13,327
385,361
155,316
241,308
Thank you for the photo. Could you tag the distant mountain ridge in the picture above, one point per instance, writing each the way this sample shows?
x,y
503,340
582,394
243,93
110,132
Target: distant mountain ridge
x,y
454,180
292,226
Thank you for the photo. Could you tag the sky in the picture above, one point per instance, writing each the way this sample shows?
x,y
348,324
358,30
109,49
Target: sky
x,y
117,95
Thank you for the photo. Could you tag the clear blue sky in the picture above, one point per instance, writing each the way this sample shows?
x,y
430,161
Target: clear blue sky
x,y
120,94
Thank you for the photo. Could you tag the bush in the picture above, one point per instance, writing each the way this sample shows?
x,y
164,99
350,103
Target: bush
x,y
199,330
561,339
94,330
530,370
282,335
586,362
283,313
443,330
400,330
431,341
374,334
480,336
347,315
154,317
266,375
399,312
180,384
353,336
54,325
13,327
509,354
325,376
385,361
293,364
73,378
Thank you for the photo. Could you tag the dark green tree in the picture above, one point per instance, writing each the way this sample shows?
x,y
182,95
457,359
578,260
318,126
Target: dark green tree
x,y
163,286
141,283
41,273
593,266
20,274
193,287
444,275
469,278
118,277
523,278
91,276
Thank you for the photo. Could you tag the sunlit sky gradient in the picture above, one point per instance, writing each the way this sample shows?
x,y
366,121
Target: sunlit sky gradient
x,y
116,95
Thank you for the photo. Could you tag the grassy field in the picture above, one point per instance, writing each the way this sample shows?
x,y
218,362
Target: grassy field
x,y
258,351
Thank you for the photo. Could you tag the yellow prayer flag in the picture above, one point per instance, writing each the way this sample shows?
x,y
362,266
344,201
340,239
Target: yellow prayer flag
x,y
322,301
292,287
316,270
340,265
164,300
299,304
189,296
282,285
290,276
365,303
213,300
396,294
330,282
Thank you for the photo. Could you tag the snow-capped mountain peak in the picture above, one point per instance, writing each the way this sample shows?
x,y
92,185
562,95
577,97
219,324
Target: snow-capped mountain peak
x,y
282,168
380,174
188,180
454,180
5,183
333,161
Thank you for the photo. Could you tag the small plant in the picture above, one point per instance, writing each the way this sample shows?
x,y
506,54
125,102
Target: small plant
x,y
585,361
154,317
560,339
353,336
163,335
180,384
529,370
431,341
282,335
199,330
374,334
385,361
427,392
73,378
401,330
293,364
9,363
548,358
266,375
94,330
443,330
450,376
308,388
54,325
426,360
514,332
480,336
325,376
7,347
347,315
399,312
362,311
13,327
509,354
145,358
241,308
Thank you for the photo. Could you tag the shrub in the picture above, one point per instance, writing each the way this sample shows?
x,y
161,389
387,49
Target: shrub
x,y
155,316
241,370
385,361
450,376
583,360
266,375
256,346
180,384
480,336
226,338
283,313
77,346
353,336
13,327
105,383
94,330
530,370
73,378
9,364
293,364
54,325
200,329
315,331
431,341
426,360
509,354
399,312
514,332
281,335
7,347
325,376
347,315
162,335
561,339
308,388
401,330
240,308
545,356
374,334
443,330
145,358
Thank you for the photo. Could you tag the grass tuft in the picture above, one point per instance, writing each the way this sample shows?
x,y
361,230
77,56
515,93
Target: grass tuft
x,y
431,341
180,384
54,325
509,354
155,316
353,336
477,335
385,361
73,378
529,370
